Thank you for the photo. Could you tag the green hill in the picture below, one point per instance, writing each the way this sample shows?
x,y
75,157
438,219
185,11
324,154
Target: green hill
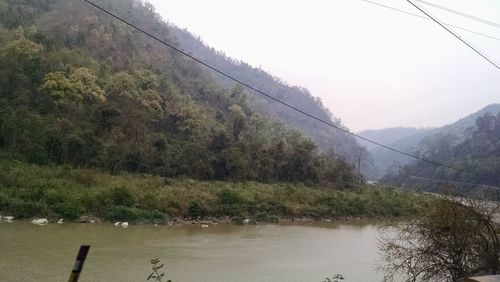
x,y
387,161
476,150
97,119
326,138
79,88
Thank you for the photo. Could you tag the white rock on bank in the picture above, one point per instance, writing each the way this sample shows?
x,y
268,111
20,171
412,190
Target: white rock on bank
x,y
118,223
60,221
8,218
124,224
40,221
204,226
246,220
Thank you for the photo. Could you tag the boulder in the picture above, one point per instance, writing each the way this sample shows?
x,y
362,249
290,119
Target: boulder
x,y
40,221
8,218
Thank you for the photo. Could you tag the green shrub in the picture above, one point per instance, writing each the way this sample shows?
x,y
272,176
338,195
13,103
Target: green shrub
x,y
196,209
121,213
262,217
69,210
231,202
27,209
274,219
237,220
53,196
265,217
4,200
85,177
89,201
121,196
157,216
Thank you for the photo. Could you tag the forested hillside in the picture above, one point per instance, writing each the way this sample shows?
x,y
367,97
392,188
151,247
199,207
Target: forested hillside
x,y
478,153
388,162
81,89
327,138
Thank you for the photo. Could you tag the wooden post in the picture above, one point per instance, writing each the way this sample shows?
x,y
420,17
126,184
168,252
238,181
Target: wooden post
x,y
80,259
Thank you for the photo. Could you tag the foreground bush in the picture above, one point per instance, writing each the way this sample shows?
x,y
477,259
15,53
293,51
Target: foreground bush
x,y
451,240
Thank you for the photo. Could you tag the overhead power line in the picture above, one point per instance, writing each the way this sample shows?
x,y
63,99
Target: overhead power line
x,y
426,18
454,34
460,13
256,90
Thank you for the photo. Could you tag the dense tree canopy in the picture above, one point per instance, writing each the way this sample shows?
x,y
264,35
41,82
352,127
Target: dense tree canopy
x,y
81,89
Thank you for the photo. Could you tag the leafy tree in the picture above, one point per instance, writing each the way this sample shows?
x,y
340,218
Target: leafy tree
x,y
21,49
236,120
80,86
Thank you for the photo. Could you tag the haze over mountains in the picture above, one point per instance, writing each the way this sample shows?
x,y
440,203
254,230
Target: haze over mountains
x,y
414,140
388,135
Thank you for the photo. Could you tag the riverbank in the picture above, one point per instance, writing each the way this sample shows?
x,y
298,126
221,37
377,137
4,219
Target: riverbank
x,y
203,222
29,191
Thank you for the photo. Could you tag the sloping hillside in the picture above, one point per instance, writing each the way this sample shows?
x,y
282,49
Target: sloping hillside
x,y
477,152
325,137
386,161
79,88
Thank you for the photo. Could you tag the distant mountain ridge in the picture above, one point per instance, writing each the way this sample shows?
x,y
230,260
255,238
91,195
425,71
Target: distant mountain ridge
x,y
385,160
474,152
388,135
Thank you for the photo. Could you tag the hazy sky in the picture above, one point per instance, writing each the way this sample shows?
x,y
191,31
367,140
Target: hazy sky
x,y
372,67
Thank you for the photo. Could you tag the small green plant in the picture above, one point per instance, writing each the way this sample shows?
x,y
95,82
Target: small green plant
x,y
156,267
335,278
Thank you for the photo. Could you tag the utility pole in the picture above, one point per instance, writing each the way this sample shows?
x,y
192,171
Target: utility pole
x,y
360,156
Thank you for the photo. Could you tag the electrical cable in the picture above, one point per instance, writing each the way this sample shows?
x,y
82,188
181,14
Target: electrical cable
x,y
256,90
454,34
426,18
494,24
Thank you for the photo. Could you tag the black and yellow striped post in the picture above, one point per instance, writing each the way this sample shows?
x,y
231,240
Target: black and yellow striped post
x,y
80,259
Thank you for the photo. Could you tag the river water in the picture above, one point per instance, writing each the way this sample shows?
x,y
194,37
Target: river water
x,y
218,253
